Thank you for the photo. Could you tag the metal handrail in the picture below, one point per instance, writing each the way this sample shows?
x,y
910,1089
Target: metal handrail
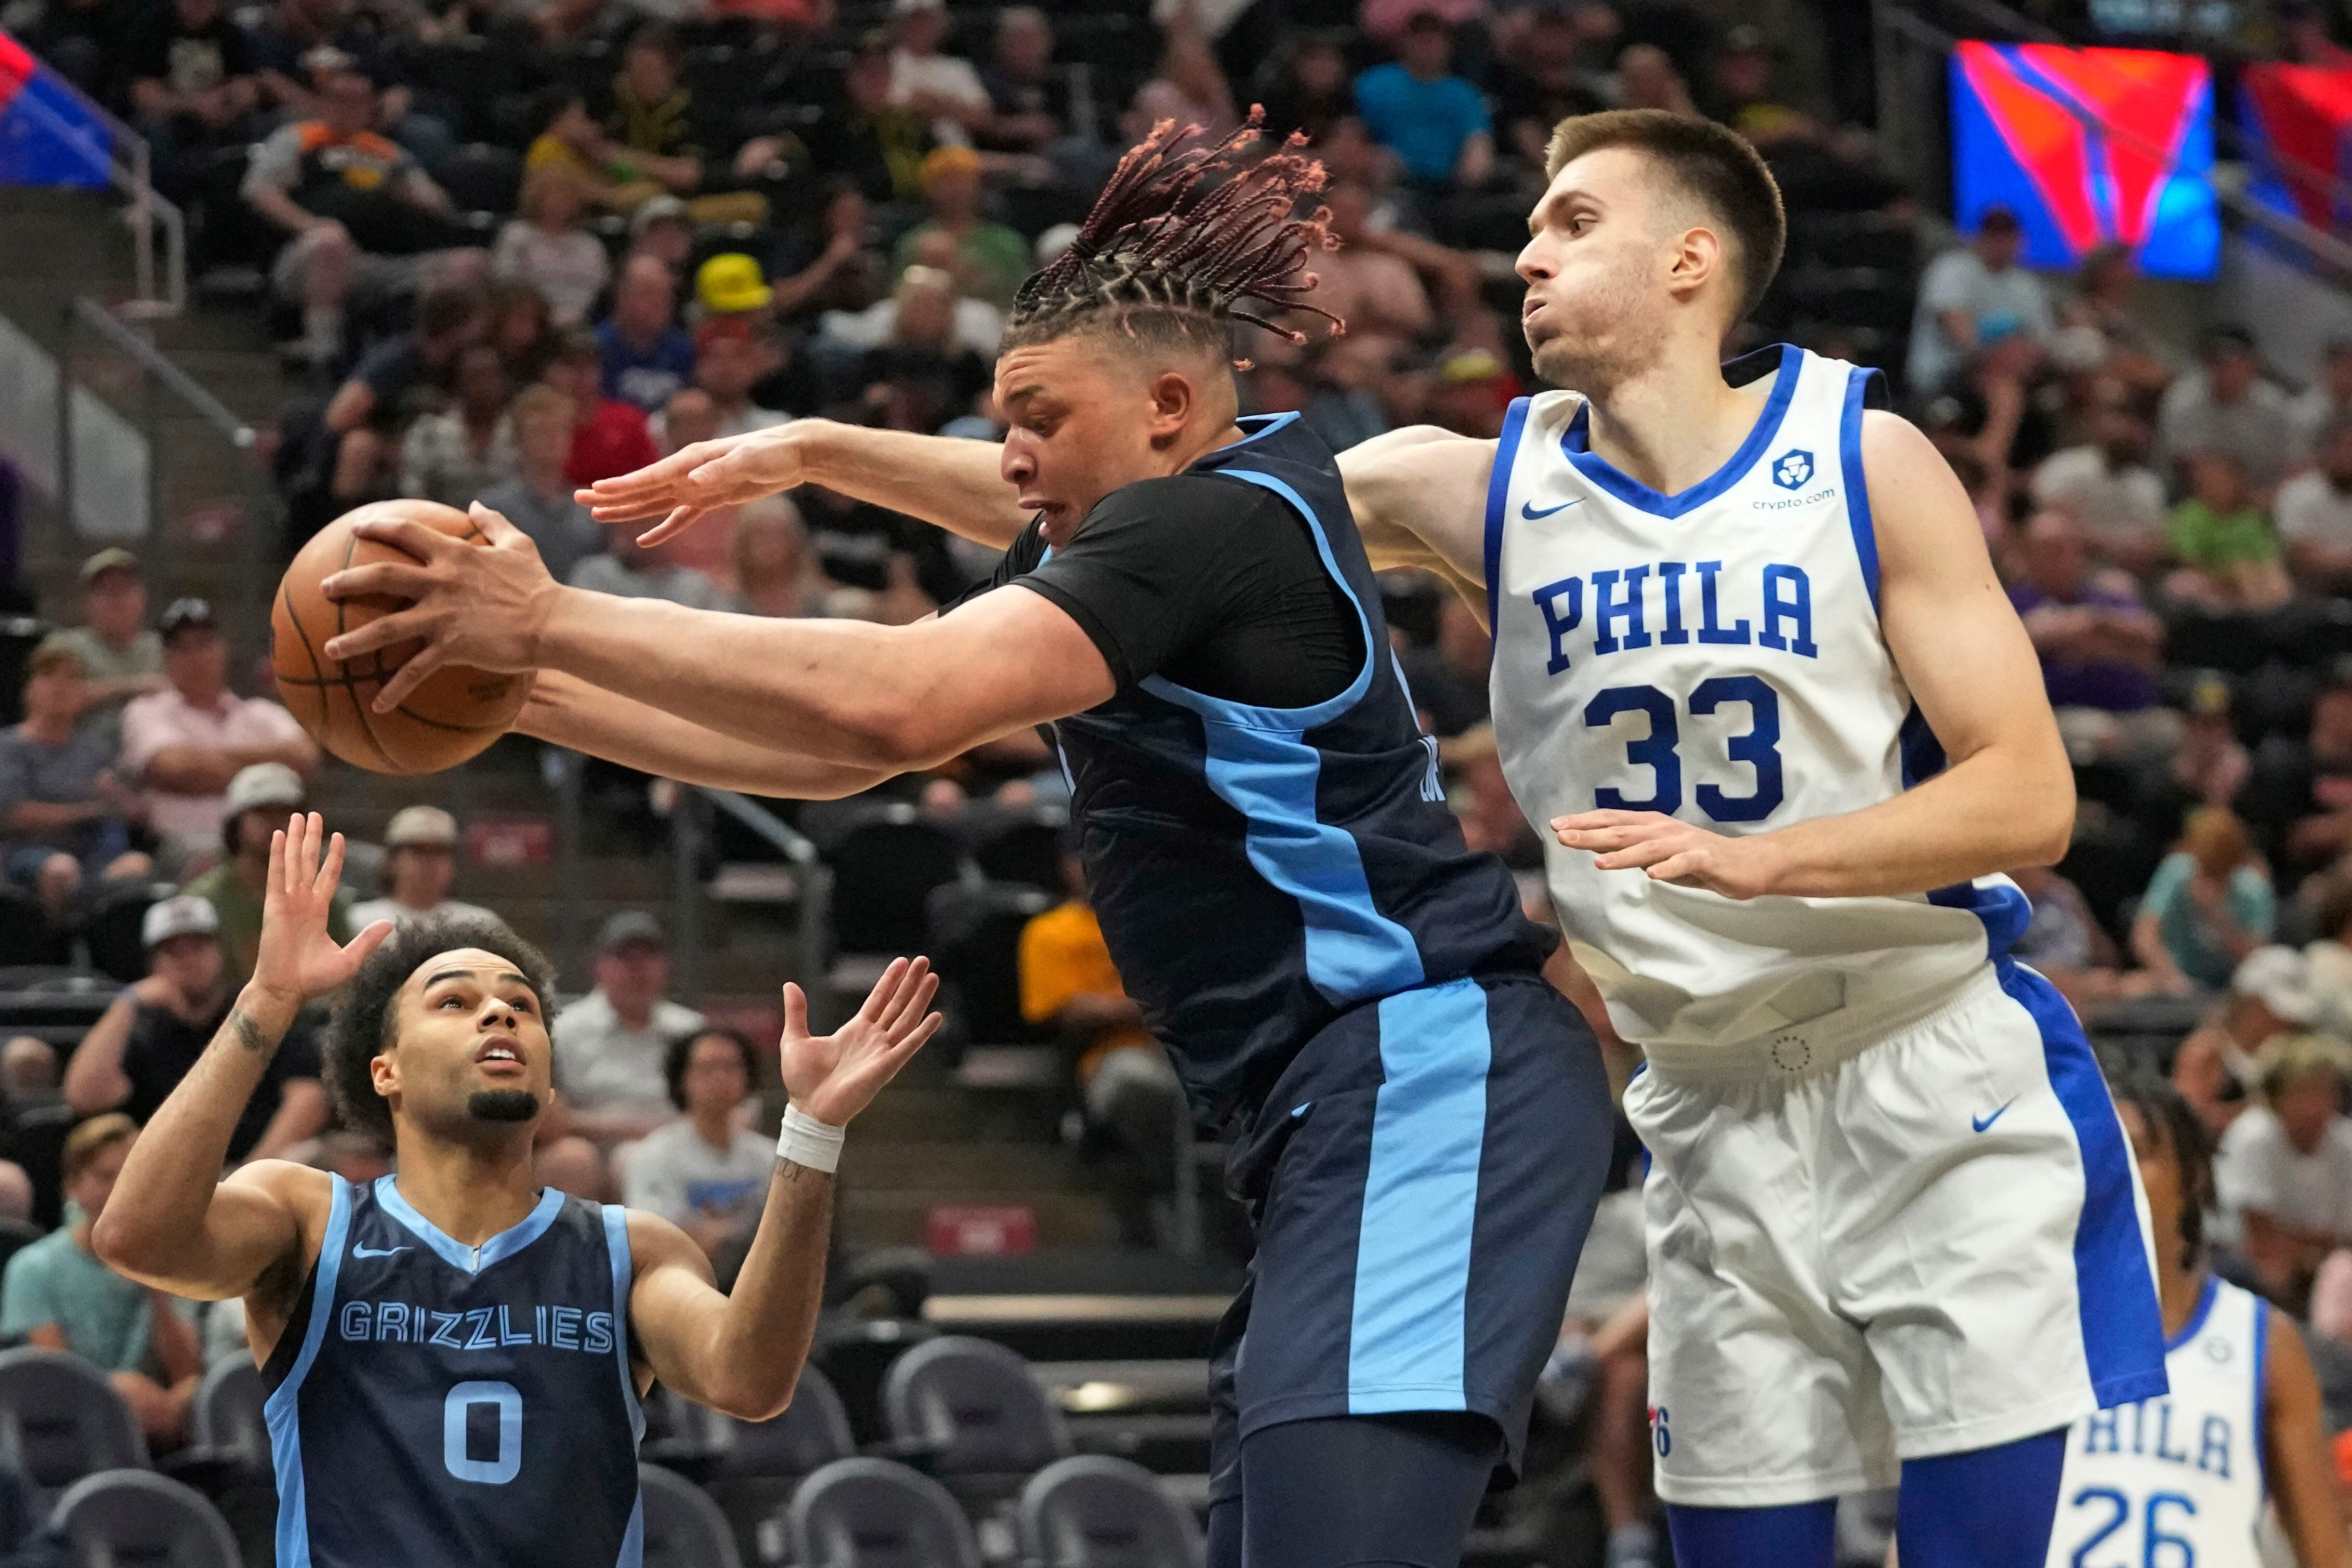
x,y
779,834
149,207
155,362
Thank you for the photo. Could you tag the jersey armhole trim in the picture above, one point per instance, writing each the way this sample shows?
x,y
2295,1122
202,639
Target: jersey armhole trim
x,y
1858,382
2262,1391
616,1249
281,1412
1499,494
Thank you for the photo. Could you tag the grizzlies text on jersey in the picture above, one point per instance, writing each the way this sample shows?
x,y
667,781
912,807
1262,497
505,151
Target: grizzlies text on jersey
x,y
434,1403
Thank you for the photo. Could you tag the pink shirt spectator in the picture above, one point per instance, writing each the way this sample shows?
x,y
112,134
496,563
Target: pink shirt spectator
x,y
166,718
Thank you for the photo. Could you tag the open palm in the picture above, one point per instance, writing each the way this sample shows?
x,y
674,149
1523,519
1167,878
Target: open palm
x,y
694,481
298,959
832,1077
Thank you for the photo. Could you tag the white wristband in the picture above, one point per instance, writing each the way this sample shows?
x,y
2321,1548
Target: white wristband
x,y
805,1141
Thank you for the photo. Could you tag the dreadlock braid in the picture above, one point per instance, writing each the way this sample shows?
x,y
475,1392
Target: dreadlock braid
x,y
1154,241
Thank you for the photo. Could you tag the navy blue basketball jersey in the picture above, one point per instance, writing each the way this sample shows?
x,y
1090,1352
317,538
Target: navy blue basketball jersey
x,y
434,1403
1260,871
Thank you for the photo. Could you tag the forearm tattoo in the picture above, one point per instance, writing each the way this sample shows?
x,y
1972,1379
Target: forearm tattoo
x,y
250,1034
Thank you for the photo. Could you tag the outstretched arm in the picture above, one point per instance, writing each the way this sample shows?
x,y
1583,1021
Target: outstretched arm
x,y
2006,799
1419,496
173,1221
567,711
945,480
896,697
743,1354
2295,1451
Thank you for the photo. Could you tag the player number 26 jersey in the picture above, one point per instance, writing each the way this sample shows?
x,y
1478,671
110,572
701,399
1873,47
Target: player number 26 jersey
x,y
1715,655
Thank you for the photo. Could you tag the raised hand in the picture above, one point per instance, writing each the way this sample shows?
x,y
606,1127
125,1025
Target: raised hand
x,y
694,481
832,1077
299,962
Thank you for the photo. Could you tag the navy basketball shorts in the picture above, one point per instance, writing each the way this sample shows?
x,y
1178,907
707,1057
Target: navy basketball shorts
x,y
1422,1177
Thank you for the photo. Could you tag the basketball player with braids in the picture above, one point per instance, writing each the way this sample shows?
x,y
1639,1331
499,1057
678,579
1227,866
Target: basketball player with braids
x,y
1420,1123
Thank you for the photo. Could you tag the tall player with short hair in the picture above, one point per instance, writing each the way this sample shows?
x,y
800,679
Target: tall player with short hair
x,y
1753,667
1422,1122
454,1354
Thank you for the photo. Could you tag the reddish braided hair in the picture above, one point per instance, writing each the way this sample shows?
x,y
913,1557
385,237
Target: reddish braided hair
x,y
1152,242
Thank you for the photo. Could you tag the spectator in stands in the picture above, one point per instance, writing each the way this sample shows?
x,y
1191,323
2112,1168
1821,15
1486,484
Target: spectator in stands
x,y
455,455
2217,1067
704,1170
65,820
941,88
1028,101
2326,900
2315,514
2209,905
688,417
2300,796
608,436
1434,121
420,862
2327,401
1647,79
632,571
539,498
152,1035
2229,554
653,121
569,138
823,262
1365,282
1130,1093
28,1073
1544,82
2227,405
2284,1168
405,375
1189,86
647,355
729,357
185,743
120,655
2100,647
361,212
876,144
2108,489
1481,797
547,246
1746,98
1961,292
611,1045
991,260
662,230
1449,677
57,1294
776,571
2064,943
523,329
2104,304
192,86
259,800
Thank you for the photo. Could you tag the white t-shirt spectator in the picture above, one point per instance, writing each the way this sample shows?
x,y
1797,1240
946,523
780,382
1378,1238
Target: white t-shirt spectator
x,y
604,1066
676,1175
366,915
945,76
2118,503
2312,510
678,584
2258,430
1959,280
163,719
742,421
2258,1168
569,269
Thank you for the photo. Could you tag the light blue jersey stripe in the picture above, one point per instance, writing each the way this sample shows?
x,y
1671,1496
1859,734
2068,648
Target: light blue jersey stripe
x,y
616,1248
282,1412
1405,1345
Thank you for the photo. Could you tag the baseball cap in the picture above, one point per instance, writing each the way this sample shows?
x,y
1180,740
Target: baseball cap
x,y
656,210
732,281
2279,978
630,925
114,558
1470,365
184,916
182,613
263,784
940,162
421,827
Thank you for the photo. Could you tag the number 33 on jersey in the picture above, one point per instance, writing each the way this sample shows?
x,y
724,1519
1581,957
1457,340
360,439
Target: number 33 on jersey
x,y
1714,655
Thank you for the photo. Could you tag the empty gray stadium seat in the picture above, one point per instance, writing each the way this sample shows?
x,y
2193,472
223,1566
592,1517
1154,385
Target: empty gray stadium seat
x,y
227,1411
755,1466
976,1405
1096,1511
684,1528
873,1513
137,1519
60,1419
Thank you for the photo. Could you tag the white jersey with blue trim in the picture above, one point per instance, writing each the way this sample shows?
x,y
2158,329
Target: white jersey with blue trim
x,y
1715,655
2177,1479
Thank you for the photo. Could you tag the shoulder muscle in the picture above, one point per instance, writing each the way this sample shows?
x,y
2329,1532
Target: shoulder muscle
x,y
1419,496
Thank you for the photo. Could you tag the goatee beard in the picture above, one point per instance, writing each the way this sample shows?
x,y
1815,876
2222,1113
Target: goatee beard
x,y
502,1105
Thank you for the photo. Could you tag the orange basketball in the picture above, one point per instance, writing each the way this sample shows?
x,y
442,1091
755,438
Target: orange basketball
x,y
457,712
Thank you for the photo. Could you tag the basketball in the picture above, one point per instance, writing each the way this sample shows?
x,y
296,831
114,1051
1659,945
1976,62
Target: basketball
x,y
453,716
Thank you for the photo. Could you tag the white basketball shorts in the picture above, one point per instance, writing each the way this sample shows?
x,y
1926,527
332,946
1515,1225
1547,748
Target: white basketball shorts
x,y
1920,1241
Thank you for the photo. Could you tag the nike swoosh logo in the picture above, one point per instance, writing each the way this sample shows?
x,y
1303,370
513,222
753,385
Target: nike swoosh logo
x,y
1527,509
359,1251
1981,1123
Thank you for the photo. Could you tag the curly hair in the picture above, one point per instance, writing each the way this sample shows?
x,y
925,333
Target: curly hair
x,y
361,1027
1161,259
2174,1123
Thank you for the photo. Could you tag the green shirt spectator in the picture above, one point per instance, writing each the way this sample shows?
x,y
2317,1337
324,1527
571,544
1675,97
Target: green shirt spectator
x,y
2203,536
260,799
120,655
57,1281
989,261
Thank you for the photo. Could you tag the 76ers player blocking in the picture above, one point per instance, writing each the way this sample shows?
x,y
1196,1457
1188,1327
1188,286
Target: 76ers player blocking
x,y
2187,1477
1754,668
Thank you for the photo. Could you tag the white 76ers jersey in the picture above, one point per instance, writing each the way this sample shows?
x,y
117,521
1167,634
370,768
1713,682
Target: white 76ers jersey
x,y
2177,1478
1715,655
